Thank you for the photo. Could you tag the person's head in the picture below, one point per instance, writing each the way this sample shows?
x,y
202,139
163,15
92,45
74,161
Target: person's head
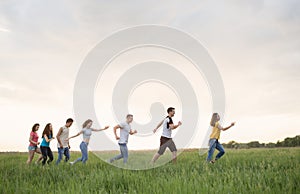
x,y
171,111
129,118
48,130
35,127
215,118
87,124
69,122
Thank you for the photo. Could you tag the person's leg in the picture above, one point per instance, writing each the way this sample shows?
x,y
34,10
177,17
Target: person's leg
x,y
38,150
85,153
60,155
44,154
50,155
173,149
82,154
67,154
221,150
30,156
211,149
124,152
162,149
118,157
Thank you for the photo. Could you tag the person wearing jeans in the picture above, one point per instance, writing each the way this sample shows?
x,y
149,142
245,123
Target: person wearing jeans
x,y
214,139
63,145
87,133
125,131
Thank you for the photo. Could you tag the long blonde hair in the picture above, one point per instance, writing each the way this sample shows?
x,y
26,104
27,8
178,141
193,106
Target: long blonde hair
x,y
86,123
214,119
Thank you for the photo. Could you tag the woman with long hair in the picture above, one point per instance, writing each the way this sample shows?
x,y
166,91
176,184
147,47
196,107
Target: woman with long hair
x,y
45,145
214,138
86,132
33,144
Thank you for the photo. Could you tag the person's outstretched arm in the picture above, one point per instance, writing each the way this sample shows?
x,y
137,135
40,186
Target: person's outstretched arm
x,y
158,126
226,128
74,136
100,129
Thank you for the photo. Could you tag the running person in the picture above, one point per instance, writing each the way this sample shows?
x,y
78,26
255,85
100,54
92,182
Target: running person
x,y
125,131
214,138
166,140
86,132
45,145
63,145
33,146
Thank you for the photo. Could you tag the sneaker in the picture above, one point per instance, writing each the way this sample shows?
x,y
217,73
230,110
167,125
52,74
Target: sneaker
x,y
212,162
72,163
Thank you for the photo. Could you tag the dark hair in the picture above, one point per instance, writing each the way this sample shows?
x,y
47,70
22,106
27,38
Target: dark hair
x,y
170,109
129,115
34,126
47,131
69,120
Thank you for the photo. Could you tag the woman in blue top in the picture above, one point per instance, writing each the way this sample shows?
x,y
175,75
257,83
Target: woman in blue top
x,y
45,145
86,132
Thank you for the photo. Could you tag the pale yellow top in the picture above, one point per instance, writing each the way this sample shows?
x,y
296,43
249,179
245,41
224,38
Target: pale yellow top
x,y
216,131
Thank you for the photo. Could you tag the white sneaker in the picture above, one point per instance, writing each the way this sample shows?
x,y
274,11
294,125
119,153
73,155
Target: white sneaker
x,y
72,163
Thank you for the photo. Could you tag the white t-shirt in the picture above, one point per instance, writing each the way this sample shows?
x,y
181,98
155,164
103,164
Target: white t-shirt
x,y
63,136
167,132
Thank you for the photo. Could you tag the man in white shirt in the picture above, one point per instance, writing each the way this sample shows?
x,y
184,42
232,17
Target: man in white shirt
x,y
166,140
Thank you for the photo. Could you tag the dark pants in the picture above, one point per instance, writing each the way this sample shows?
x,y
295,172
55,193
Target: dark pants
x,y
166,143
46,152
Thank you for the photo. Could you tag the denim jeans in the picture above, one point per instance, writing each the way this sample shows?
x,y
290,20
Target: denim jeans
x,y
124,154
84,153
61,152
214,144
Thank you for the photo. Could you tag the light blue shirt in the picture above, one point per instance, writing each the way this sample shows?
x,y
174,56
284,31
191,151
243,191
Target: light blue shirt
x,y
86,133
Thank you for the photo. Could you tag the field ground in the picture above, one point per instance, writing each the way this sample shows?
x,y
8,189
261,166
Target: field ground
x,y
240,171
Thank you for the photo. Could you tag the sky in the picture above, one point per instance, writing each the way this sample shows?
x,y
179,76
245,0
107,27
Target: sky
x,y
255,44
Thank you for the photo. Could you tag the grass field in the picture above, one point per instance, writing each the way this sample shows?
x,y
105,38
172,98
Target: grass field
x,y
240,171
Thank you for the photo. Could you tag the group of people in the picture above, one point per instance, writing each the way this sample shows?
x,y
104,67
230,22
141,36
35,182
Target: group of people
x,y
166,140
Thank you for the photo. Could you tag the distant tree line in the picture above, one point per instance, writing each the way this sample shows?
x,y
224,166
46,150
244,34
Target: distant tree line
x,y
287,142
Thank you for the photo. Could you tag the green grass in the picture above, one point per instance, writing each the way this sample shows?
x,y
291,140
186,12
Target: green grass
x,y
240,171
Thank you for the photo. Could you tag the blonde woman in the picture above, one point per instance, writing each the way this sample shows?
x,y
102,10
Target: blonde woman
x,y
214,138
86,132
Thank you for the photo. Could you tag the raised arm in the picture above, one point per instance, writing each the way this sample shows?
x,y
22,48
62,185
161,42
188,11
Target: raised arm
x,y
132,132
158,126
100,129
226,128
47,139
172,126
115,131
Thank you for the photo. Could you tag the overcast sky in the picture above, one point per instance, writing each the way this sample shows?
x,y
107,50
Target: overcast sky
x,y
255,44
